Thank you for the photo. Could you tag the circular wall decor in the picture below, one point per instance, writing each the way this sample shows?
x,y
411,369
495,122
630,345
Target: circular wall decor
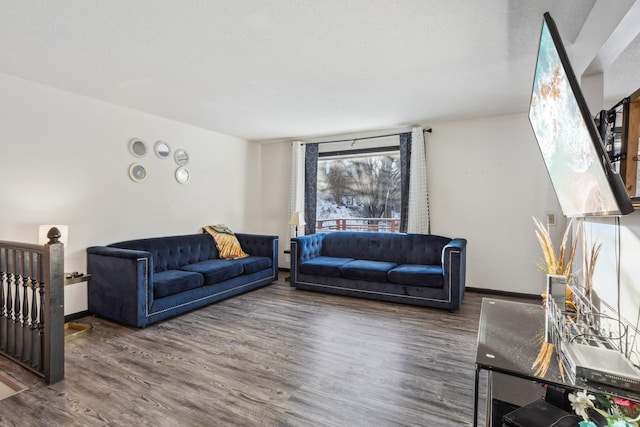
x,y
181,157
137,172
162,149
138,147
183,175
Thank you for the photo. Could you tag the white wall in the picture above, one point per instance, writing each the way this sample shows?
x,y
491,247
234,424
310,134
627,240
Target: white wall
x,y
486,180
276,169
65,160
616,277
620,247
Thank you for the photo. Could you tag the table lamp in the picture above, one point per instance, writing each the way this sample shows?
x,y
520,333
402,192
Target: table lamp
x,y
297,219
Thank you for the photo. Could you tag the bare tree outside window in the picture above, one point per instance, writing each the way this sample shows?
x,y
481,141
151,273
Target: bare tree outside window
x,y
359,193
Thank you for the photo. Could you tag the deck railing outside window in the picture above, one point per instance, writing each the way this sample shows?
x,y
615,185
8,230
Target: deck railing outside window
x,y
389,225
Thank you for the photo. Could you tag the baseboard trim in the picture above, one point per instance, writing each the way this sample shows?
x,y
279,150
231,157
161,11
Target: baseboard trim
x,y
74,316
503,293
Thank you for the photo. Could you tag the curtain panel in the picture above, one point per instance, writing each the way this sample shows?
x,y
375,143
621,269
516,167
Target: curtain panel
x,y
310,187
405,168
296,185
419,221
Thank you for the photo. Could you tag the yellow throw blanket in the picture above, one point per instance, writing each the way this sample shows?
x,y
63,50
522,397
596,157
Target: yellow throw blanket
x,y
226,242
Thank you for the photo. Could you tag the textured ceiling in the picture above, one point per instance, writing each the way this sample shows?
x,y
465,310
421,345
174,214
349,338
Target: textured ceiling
x,y
270,69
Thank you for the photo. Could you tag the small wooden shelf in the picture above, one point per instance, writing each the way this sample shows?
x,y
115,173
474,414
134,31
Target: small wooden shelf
x,y
73,330
77,279
632,131
631,178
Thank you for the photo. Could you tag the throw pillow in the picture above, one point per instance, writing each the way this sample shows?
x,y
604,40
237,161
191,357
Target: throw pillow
x,y
226,242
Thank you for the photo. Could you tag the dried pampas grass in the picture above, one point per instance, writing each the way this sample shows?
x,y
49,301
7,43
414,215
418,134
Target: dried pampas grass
x,y
541,364
562,262
590,258
556,263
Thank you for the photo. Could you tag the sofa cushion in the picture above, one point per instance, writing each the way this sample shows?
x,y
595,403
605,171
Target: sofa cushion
x,y
324,266
215,270
171,282
418,275
375,271
252,264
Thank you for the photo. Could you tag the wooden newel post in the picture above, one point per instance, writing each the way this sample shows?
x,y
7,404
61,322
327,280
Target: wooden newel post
x,y
53,298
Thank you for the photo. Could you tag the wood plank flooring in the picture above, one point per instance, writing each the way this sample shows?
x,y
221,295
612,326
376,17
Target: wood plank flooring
x,y
273,357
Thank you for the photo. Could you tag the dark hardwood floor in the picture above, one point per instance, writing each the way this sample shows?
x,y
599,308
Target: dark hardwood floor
x,y
273,357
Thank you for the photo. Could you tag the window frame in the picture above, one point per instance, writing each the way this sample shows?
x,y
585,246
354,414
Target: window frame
x,y
361,152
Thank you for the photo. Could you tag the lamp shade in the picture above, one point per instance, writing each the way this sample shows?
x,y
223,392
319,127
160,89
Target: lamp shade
x,y
43,230
297,219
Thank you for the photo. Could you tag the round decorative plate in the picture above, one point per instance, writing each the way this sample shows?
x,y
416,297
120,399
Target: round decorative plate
x,y
183,175
137,172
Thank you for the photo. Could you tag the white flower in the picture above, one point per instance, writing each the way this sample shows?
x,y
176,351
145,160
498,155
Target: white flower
x,y
580,402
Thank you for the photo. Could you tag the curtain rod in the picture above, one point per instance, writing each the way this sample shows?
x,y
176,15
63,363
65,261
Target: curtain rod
x,y
429,130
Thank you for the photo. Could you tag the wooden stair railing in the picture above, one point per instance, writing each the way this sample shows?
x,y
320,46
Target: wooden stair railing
x,y
32,305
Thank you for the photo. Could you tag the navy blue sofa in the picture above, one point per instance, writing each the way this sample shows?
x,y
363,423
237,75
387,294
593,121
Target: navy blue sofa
x,y
138,282
418,269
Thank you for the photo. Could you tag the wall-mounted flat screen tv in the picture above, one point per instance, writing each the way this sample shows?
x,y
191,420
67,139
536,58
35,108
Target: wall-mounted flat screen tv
x,y
580,171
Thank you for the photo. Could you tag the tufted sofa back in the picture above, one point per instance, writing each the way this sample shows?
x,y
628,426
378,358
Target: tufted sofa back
x,y
390,247
172,252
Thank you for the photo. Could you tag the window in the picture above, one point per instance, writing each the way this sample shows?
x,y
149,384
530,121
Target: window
x,y
359,190
365,198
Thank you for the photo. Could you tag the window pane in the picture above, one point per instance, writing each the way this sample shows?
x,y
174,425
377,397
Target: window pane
x,y
359,193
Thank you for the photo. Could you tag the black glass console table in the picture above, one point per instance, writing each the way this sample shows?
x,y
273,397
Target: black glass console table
x,y
510,335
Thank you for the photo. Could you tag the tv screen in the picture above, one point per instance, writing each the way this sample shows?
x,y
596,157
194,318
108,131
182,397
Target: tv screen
x,y
580,170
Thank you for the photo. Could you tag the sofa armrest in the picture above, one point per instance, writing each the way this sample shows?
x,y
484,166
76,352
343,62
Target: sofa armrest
x,y
307,247
121,286
304,248
454,268
117,252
